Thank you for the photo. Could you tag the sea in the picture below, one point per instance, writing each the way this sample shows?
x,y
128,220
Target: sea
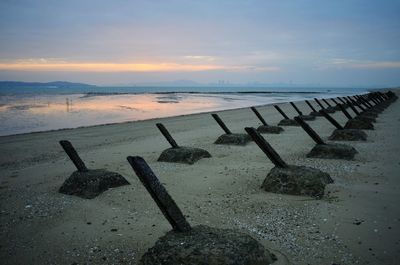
x,y
36,109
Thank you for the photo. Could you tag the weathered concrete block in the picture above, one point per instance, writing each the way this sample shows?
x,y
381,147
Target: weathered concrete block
x,y
333,151
366,117
270,129
337,107
330,109
371,112
90,184
206,245
182,154
288,122
348,135
297,180
358,123
315,113
234,139
307,117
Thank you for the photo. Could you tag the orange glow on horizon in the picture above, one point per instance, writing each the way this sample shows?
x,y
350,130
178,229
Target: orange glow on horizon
x,y
107,67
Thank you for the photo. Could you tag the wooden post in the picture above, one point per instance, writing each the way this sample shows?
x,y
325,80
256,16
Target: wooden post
x,y
334,101
376,101
295,107
352,107
159,194
281,112
359,105
355,103
383,96
342,100
259,116
366,102
311,106
371,99
326,102
73,155
167,136
360,102
319,103
266,147
331,119
345,112
309,130
221,123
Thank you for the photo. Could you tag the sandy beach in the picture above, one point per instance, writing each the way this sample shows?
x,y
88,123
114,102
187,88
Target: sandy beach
x,y
356,222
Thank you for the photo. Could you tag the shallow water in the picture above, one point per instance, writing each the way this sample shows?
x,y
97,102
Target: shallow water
x,y
42,112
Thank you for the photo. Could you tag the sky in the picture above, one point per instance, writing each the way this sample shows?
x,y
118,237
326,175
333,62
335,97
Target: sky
x,y
121,42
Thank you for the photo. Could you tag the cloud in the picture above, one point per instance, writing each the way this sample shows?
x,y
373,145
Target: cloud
x,y
362,64
43,64
200,58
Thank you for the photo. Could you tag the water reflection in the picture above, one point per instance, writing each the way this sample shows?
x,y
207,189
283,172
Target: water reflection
x,y
49,112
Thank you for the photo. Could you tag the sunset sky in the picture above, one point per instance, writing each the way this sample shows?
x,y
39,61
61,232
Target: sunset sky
x,y
330,43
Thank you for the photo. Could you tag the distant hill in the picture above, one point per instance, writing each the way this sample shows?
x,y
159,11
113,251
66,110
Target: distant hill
x,y
175,83
55,84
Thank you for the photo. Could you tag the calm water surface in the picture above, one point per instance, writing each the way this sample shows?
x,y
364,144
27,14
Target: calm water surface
x,y
32,113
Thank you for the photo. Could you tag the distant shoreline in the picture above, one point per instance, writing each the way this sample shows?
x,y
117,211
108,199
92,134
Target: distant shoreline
x,y
109,90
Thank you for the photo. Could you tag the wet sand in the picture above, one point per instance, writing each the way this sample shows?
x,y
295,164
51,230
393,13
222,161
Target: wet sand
x,y
357,221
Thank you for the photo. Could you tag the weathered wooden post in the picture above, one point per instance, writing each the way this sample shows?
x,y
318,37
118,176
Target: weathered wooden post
x,y
359,101
313,112
364,112
259,116
364,107
265,128
374,99
336,107
159,194
360,121
351,105
281,112
180,154
334,101
167,135
73,155
221,123
330,107
323,107
345,112
356,104
266,148
286,120
319,103
371,108
326,102
342,100
290,179
317,139
172,248
304,117
324,150
364,101
229,137
331,120
88,183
